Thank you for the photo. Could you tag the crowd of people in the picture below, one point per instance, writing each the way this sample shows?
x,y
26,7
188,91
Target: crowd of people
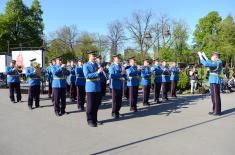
x,y
86,83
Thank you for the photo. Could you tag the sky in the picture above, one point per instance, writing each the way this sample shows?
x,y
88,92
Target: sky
x,y
95,15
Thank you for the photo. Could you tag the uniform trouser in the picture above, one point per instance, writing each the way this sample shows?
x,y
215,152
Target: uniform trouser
x,y
133,95
67,89
14,86
72,90
59,95
81,96
173,88
215,97
92,106
157,89
165,89
49,88
103,88
126,92
116,100
34,94
146,93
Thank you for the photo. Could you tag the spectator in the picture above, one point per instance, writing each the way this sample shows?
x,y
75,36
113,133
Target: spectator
x,y
226,71
193,79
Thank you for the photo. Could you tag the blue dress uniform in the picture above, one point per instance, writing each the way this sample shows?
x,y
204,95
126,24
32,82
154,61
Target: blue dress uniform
x,y
146,84
125,88
34,82
165,81
116,85
174,79
59,88
215,81
80,84
50,78
72,79
93,91
157,70
103,80
13,82
133,76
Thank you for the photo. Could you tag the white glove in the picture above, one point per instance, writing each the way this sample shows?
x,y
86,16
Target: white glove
x,y
204,55
200,55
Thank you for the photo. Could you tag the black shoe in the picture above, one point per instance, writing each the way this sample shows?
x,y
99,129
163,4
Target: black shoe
x,y
132,109
99,123
19,101
30,107
92,124
146,104
13,102
135,110
216,114
62,113
158,102
37,106
82,108
211,113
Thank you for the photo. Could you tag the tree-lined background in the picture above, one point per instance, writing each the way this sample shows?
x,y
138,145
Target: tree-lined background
x,y
144,34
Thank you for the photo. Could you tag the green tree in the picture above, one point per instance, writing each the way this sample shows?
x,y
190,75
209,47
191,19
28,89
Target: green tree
x,y
166,53
18,25
206,32
36,23
227,39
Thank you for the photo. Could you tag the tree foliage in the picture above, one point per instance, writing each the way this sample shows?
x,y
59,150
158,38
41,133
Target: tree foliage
x,y
20,25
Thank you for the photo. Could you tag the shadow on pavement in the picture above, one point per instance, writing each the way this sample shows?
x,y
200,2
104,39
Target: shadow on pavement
x,y
167,133
165,108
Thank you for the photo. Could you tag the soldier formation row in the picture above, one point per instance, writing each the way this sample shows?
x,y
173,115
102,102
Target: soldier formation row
x,y
87,83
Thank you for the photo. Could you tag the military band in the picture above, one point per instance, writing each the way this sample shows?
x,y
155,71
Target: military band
x,y
174,78
33,74
116,75
133,76
157,71
80,84
146,82
71,81
87,83
13,80
92,73
59,72
165,80
215,66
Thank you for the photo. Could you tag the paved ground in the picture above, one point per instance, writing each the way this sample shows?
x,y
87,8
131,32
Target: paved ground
x,y
179,127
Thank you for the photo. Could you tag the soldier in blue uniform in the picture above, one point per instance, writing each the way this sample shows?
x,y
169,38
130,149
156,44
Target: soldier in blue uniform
x,y
146,82
50,77
13,81
116,76
72,79
125,88
215,66
33,74
80,84
103,78
165,79
133,75
157,70
174,78
92,73
59,72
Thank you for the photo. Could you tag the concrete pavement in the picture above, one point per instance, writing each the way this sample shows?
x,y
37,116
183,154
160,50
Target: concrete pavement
x,y
180,126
